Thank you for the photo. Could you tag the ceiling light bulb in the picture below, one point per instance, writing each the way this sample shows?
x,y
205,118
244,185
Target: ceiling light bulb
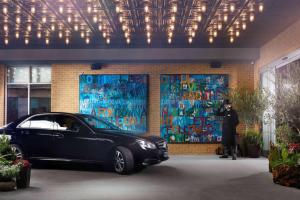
x,y
47,41
39,34
126,34
199,18
232,7
173,18
148,34
147,27
5,27
231,39
170,34
147,19
61,9
225,18
149,40
190,40
87,40
174,8
146,8
251,17
69,19
76,27
193,34
128,40
169,40
195,26
29,27
5,10
220,26
95,18
52,27
18,19
108,41
100,27
104,34
237,33
67,41
89,9
82,34
44,19
215,33
32,9
244,26
261,7
120,19
211,39
6,41
26,41
60,34
17,35
118,9
172,27
203,7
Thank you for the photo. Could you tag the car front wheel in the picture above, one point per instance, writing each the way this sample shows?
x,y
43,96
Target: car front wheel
x,y
123,161
18,150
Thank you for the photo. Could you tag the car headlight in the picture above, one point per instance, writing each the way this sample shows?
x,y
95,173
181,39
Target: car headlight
x,y
146,145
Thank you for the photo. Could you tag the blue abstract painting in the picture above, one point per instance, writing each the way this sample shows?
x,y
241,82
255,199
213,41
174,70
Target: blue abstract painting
x,y
120,99
188,104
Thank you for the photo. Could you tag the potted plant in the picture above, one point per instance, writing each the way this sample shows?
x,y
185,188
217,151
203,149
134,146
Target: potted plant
x,y
8,170
254,141
23,178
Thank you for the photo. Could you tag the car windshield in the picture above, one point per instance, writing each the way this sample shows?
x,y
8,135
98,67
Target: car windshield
x,y
98,123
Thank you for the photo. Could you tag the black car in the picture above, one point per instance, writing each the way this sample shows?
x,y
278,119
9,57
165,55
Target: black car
x,y
83,138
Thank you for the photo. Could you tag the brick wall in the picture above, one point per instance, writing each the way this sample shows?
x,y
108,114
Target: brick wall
x,y
279,46
2,92
65,89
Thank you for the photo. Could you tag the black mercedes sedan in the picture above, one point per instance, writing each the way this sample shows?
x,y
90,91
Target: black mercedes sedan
x,y
83,138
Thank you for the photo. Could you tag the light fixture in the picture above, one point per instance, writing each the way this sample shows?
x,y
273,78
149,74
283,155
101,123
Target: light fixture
x,y
6,41
39,34
199,18
17,34
231,39
251,17
211,39
47,41
26,41
128,40
148,40
261,7
232,7
169,40
107,40
190,40
67,41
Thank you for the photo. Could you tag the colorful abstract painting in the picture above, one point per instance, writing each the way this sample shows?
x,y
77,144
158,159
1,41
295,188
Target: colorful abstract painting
x,y
120,99
188,104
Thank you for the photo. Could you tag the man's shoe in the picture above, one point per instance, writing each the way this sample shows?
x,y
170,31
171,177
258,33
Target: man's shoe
x,y
224,156
234,157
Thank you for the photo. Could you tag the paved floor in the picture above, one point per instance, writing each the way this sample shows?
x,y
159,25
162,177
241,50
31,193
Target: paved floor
x,y
182,177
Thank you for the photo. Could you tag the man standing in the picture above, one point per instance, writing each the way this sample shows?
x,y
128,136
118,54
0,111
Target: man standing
x,y
230,122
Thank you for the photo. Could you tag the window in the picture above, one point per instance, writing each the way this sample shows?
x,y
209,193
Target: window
x,y
67,123
39,122
28,90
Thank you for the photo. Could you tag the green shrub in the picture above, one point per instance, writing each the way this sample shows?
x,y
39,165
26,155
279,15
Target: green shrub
x,y
253,137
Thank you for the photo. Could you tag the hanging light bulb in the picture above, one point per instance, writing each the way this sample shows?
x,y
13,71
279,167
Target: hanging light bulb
x,y
61,9
39,34
146,8
195,26
104,34
128,40
47,41
169,40
69,19
44,19
118,9
32,9
147,27
17,34
220,26
5,10
100,27
261,7
87,40
231,39
29,27
76,27
173,18
193,34
211,39
203,7
82,34
120,19
5,27
149,40
174,8
170,34
148,34
190,40
60,34
26,40
251,17
244,25
147,19
232,7
67,41
108,41
215,33
237,33
172,27
95,18
89,9
52,27
18,19
225,17
199,18
6,41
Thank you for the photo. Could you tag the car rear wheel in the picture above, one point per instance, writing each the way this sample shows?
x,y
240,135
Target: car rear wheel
x,y
18,150
123,161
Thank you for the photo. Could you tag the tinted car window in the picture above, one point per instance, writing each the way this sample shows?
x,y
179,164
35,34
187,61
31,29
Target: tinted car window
x,y
66,123
38,122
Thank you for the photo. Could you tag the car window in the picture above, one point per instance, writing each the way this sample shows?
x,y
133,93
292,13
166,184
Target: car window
x,y
66,123
38,122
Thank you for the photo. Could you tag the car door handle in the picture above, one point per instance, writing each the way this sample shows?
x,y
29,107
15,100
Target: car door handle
x,y
25,132
59,136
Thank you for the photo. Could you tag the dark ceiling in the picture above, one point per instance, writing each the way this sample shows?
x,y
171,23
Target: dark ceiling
x,y
277,16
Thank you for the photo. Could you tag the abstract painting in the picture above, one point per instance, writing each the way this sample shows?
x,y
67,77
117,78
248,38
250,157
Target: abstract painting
x,y
120,99
188,104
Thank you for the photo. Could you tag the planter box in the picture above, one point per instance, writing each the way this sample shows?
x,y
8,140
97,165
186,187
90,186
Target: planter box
x,y
23,180
287,176
7,186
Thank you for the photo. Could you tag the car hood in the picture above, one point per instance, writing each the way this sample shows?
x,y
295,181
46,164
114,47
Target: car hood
x,y
131,135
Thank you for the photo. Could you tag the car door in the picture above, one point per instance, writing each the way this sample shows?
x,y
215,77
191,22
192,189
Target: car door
x,y
36,136
73,140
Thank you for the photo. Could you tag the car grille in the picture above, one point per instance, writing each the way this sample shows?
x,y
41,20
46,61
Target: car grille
x,y
162,145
